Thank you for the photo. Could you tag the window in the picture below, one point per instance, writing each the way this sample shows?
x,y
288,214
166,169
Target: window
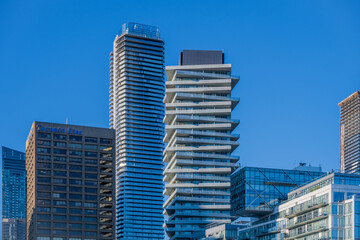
x,y
90,154
90,169
43,209
59,137
91,147
75,189
339,196
91,175
44,194
90,140
44,172
90,211
91,161
44,135
42,202
75,153
75,211
91,190
90,204
44,216
75,145
59,159
105,141
59,232
75,204
90,226
59,195
44,187
91,234
59,166
43,150
75,138
59,203
59,210
59,174
43,238
106,148
91,197
75,218
75,182
59,181
60,144
75,160
59,188
59,238
44,157
44,165
75,167
90,183
75,196
44,180
59,217
44,143
75,233
75,225
43,231
75,174
60,151
59,225
43,224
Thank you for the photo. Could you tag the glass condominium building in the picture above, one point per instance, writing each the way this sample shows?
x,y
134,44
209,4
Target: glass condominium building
x,y
256,191
70,182
13,194
137,89
199,143
350,134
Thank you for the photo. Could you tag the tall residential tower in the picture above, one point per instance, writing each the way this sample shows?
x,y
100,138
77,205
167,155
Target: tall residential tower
x,y
13,194
200,143
350,134
137,89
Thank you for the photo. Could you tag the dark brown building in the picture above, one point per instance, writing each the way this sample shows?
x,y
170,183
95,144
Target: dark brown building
x,y
70,182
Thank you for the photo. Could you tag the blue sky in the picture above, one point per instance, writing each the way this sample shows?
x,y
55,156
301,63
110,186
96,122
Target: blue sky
x,y
297,60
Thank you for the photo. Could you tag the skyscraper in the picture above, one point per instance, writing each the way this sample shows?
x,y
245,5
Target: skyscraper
x,y
350,134
200,142
137,89
13,194
70,182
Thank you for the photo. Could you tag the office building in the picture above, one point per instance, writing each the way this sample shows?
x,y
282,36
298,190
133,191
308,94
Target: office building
x,y
326,208
13,194
350,134
70,182
199,143
137,89
256,191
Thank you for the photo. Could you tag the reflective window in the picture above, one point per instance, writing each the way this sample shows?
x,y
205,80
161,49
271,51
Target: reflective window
x,y
90,154
75,153
59,159
44,180
44,143
75,138
91,197
90,169
90,140
43,150
105,141
44,194
91,219
90,147
75,145
59,210
75,182
59,166
59,232
90,183
59,188
60,151
90,204
59,203
91,175
43,216
44,172
75,189
91,161
59,181
90,226
59,195
43,224
105,155
75,196
75,160
75,204
43,209
91,190
44,157
90,211
59,137
75,218
60,144
44,187
75,174
106,148
75,211
44,165
59,217
75,233
59,225
59,173
43,231
75,167
44,135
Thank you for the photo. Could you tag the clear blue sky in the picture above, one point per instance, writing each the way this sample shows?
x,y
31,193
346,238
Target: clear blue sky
x,y
297,60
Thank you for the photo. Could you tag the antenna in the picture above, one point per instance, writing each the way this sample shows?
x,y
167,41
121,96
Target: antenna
x,y
66,121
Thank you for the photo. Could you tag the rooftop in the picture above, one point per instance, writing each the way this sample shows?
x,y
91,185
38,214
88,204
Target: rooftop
x,y
142,30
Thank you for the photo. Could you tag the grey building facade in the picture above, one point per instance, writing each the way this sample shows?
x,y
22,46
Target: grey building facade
x,y
137,89
350,134
70,182
200,142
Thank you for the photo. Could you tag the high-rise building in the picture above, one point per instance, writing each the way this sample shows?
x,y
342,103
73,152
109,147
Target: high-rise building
x,y
13,194
350,134
70,182
255,191
200,143
137,89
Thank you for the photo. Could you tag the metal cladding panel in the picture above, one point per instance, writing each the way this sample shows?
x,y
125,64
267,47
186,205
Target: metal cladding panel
x,y
201,57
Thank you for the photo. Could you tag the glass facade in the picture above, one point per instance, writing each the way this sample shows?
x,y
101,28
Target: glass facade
x,y
13,194
256,191
70,196
199,146
137,89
